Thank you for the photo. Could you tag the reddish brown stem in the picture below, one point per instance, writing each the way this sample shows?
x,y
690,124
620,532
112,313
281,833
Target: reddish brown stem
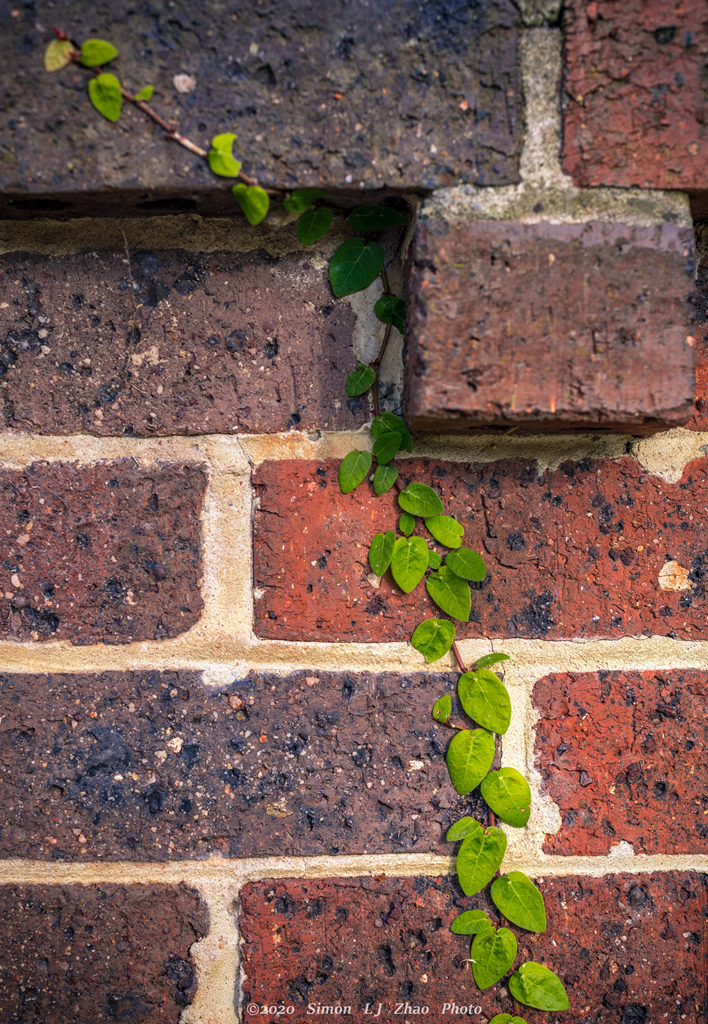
x,y
458,656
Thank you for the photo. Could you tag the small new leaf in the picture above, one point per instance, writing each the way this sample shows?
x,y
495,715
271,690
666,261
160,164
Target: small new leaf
x,y
450,593
434,559
420,500
406,525
389,421
462,828
471,922
105,95
384,478
520,901
369,219
145,94
479,858
353,469
506,1018
466,564
360,380
95,52
301,199
442,708
433,638
409,562
469,757
446,530
354,266
313,224
381,551
537,986
58,54
507,793
489,659
492,954
221,158
386,446
485,699
391,310
253,200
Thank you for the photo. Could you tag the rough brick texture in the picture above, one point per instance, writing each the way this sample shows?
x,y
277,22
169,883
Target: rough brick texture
x,y
628,947
298,83
623,755
104,553
700,413
635,93
485,297
572,552
98,954
153,766
172,343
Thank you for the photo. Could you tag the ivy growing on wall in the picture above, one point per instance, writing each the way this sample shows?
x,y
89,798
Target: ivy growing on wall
x,y
425,544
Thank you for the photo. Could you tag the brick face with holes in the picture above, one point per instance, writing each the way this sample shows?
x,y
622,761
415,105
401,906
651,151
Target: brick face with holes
x,y
224,796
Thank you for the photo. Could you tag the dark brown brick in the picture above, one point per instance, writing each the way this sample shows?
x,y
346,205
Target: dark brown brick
x,y
572,552
176,343
623,756
635,93
485,297
700,412
97,954
106,553
628,947
333,94
151,766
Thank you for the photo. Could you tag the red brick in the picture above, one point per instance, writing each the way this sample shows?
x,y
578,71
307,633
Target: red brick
x,y
623,756
700,412
572,552
104,553
175,343
486,296
156,766
97,954
628,947
634,80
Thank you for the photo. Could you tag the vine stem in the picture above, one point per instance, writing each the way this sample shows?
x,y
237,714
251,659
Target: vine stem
x,y
458,657
375,366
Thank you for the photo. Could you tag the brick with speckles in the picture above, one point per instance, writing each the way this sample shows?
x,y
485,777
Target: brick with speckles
x,y
700,412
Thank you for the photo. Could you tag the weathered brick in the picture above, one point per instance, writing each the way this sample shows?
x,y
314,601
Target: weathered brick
x,y
623,756
173,343
486,296
700,412
628,947
107,553
570,552
156,766
74,954
635,93
299,84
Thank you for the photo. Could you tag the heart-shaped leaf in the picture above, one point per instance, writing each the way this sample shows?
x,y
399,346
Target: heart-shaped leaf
x,y
375,218
506,1018
389,421
446,530
537,986
406,524
58,54
489,659
507,793
450,593
466,564
520,901
485,699
354,266
301,199
221,158
469,758
420,500
479,858
391,310
384,478
105,94
471,922
97,51
442,708
381,551
409,562
253,200
433,638
360,380
386,446
462,828
492,954
353,469
313,224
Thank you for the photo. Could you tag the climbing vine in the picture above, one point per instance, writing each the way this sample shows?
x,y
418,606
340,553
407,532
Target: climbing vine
x,y
425,545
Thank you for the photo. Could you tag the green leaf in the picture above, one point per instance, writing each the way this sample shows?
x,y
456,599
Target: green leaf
x,y
492,955
506,1018
145,94
105,94
469,757
479,858
221,158
507,793
520,901
313,224
391,310
360,380
380,552
253,200
420,500
462,828
434,559
301,199
386,447
537,986
389,421
470,922
58,54
466,564
354,266
97,51
442,708
489,659
409,562
406,524
353,469
433,638
446,530
450,593
485,699
384,478
375,218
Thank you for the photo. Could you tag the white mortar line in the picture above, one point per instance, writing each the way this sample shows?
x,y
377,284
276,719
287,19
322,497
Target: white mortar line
x,y
217,957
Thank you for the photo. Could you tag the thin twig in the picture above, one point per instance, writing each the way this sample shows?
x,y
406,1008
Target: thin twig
x,y
458,656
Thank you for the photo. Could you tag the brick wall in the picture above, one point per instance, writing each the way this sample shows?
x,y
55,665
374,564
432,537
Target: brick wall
x,y
220,781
